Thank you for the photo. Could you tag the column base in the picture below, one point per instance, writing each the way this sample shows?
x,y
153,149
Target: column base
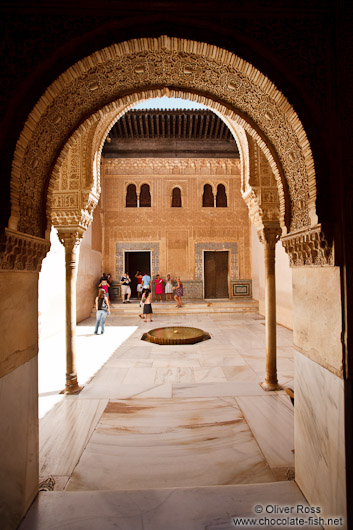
x,y
268,386
72,386
72,390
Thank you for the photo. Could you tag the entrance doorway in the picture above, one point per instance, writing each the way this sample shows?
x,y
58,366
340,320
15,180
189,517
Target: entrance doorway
x,y
137,261
216,274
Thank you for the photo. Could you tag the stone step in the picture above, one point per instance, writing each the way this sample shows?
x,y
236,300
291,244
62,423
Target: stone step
x,y
189,307
194,508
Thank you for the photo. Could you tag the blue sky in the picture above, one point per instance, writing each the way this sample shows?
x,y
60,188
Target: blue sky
x,y
169,103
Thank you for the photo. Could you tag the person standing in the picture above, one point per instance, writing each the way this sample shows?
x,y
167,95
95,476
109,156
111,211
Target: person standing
x,y
147,306
158,287
179,291
138,276
125,287
104,285
102,310
146,283
110,286
168,288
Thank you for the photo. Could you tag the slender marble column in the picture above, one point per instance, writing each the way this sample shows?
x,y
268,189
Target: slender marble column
x,y
71,241
269,237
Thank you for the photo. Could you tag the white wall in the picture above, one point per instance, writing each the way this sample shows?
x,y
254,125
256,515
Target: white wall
x,y
319,424
51,297
51,289
284,297
88,274
18,396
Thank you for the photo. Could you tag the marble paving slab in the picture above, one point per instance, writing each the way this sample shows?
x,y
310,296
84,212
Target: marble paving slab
x,y
170,443
271,419
127,391
140,375
239,373
64,432
223,389
220,360
130,363
212,374
208,508
174,375
176,363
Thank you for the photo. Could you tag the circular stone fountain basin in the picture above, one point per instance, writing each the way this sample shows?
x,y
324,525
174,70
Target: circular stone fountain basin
x,y
176,335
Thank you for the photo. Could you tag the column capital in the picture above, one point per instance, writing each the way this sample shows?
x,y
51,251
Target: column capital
x,y
270,234
70,238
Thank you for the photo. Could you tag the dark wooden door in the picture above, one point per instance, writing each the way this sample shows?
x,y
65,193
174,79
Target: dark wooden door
x,y
216,274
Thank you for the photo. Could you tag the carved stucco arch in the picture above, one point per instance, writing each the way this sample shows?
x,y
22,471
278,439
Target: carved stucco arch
x,y
92,134
164,63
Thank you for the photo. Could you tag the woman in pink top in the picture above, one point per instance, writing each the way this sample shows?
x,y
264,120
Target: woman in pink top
x,y
158,287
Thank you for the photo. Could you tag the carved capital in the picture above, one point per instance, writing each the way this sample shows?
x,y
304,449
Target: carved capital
x,y
313,246
71,239
255,212
22,252
269,235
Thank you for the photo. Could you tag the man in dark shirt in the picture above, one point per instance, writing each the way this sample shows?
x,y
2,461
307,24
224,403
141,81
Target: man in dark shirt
x,y
125,287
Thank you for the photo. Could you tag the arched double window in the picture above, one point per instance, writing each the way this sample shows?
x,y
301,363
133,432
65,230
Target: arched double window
x,y
131,196
221,197
176,198
145,196
207,197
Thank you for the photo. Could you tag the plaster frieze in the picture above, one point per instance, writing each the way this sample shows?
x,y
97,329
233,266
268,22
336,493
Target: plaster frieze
x,y
22,252
313,246
169,165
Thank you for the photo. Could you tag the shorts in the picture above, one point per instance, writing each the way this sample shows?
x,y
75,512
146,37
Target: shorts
x,y
125,289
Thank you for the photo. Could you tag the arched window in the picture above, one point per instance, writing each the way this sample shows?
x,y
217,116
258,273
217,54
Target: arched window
x,y
131,196
221,198
176,198
145,196
207,197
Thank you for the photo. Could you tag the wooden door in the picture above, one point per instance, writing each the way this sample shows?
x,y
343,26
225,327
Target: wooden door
x,y
216,274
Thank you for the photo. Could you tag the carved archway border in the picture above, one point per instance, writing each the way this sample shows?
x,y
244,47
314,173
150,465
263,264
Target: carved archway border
x,y
129,67
92,134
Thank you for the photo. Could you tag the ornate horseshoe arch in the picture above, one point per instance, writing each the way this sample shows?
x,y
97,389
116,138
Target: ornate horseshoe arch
x,y
112,79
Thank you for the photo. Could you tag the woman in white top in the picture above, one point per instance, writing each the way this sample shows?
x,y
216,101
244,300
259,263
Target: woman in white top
x,y
168,288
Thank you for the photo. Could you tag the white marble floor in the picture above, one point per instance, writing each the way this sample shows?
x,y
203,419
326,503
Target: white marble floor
x,y
208,508
152,417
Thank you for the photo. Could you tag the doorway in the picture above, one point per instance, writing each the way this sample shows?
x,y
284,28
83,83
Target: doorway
x,y
216,274
137,261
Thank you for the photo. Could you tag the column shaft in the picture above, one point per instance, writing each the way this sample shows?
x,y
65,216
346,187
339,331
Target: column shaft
x,y
71,242
269,237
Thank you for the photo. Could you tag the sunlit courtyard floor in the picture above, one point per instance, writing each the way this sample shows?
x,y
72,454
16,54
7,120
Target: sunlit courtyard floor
x,y
166,418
